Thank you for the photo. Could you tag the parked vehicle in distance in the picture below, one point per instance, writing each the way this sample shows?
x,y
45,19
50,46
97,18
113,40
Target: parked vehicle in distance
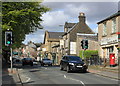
x,y
73,63
27,61
35,62
46,61
17,61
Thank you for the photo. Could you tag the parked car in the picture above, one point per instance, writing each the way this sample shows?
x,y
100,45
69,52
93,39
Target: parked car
x,y
72,63
17,62
35,62
46,61
27,61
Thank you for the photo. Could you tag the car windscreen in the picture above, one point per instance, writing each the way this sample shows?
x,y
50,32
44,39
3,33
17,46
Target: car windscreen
x,y
74,58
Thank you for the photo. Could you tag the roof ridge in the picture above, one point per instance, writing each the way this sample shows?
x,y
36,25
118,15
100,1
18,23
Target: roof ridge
x,y
110,17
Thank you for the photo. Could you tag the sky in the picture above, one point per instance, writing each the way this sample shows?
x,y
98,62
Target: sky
x,y
62,12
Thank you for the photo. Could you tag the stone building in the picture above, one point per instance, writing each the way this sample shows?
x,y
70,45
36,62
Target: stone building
x,y
51,45
92,42
70,36
108,30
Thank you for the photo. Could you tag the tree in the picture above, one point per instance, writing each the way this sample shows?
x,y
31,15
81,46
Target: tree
x,y
22,18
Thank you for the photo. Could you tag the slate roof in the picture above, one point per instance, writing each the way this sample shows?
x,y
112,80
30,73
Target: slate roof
x,y
110,17
55,35
69,25
82,28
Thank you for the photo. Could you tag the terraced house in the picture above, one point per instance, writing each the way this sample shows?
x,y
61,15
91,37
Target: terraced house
x,y
108,37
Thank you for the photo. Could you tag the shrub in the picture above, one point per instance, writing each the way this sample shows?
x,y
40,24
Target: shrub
x,y
88,53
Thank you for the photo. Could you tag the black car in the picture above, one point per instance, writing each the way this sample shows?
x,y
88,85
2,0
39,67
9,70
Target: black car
x,y
73,63
27,61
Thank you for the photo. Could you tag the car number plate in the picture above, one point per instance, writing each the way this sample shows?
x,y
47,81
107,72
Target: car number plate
x,y
79,66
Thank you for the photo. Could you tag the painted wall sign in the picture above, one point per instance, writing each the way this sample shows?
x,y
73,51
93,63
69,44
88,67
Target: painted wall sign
x,y
110,40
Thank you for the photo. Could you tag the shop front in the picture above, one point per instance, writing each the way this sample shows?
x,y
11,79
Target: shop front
x,y
109,50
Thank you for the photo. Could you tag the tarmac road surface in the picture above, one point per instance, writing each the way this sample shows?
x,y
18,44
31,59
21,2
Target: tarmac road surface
x,y
37,75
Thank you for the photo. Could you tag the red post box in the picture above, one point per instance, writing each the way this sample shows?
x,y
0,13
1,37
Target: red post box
x,y
112,59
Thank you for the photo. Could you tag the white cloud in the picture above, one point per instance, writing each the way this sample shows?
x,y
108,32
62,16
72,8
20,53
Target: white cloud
x,y
75,9
35,37
54,18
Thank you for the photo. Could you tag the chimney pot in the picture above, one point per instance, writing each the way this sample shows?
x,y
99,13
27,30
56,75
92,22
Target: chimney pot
x,y
82,17
82,14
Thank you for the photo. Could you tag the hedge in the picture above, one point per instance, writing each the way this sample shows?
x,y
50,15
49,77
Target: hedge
x,y
88,53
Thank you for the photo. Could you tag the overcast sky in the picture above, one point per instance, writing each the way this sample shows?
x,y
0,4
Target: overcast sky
x,y
62,12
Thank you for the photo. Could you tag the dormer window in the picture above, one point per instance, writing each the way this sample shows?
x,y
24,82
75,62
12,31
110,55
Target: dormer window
x,y
114,25
104,29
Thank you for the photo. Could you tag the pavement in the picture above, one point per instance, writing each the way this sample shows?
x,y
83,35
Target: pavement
x,y
13,78
10,78
111,72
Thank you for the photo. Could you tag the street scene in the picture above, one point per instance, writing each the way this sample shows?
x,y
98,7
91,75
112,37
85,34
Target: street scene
x,y
60,43
37,75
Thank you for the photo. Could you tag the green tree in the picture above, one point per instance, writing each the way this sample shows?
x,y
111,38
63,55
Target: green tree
x,y
22,18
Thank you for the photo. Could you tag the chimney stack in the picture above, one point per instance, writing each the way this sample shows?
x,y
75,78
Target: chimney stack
x,y
82,17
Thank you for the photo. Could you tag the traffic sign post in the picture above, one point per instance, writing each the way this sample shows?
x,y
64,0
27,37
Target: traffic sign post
x,y
8,38
11,61
8,42
84,45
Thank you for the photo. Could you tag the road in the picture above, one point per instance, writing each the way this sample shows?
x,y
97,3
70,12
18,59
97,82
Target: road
x,y
53,75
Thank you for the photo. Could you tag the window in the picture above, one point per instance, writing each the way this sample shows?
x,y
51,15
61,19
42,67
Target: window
x,y
66,44
113,25
104,29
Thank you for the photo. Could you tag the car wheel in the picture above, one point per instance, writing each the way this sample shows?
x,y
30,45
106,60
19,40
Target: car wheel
x,y
61,68
68,69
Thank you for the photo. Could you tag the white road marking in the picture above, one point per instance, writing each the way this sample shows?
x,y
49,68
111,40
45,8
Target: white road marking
x,y
64,76
25,78
20,69
74,80
28,79
46,68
